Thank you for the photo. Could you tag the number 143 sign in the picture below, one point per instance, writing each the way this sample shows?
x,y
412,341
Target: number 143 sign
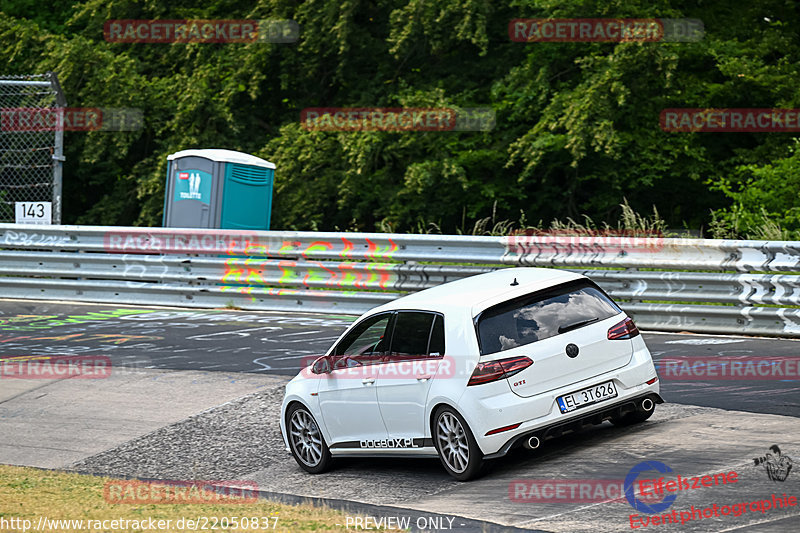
x,y
33,212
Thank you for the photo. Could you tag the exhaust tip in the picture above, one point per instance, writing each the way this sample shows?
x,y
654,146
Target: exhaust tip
x,y
647,404
532,443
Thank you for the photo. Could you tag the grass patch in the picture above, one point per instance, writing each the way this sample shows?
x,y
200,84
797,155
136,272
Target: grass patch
x,y
31,493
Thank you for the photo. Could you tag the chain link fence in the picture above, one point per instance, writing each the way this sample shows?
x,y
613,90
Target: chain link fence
x,y
31,151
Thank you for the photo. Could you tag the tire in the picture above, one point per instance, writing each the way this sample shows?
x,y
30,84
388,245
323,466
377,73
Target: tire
x,y
306,441
457,448
636,417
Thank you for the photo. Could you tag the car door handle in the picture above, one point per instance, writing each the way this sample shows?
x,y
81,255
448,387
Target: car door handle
x,y
423,378
368,381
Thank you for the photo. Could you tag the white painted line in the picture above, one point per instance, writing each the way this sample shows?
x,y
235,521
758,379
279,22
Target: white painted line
x,y
714,335
704,341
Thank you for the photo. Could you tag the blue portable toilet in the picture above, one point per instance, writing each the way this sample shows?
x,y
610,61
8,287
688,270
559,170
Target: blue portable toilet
x,y
218,189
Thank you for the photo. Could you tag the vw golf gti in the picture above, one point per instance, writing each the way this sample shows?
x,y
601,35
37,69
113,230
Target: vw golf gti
x,y
470,369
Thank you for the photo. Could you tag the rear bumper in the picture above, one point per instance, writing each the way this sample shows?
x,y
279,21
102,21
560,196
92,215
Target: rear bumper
x,y
494,405
556,429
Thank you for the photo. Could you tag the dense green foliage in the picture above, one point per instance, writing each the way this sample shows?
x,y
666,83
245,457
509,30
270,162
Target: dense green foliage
x,y
577,126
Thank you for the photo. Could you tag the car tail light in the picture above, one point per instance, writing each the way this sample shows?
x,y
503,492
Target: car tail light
x,y
494,370
624,330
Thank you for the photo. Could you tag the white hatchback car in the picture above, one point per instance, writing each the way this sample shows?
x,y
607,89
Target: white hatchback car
x,y
470,369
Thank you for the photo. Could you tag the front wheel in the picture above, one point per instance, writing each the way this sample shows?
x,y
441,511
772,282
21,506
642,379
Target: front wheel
x,y
306,441
457,448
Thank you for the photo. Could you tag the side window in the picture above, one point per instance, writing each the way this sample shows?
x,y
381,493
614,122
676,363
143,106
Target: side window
x,y
436,346
416,334
367,342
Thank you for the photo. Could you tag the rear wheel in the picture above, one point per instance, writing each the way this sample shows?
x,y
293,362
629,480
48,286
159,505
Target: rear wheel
x,y
456,445
306,440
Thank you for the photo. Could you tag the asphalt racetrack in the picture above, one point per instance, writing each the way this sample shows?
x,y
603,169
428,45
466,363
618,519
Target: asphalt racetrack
x,y
279,343
197,393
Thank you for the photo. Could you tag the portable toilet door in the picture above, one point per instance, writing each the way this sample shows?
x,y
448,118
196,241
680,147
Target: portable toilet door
x,y
247,195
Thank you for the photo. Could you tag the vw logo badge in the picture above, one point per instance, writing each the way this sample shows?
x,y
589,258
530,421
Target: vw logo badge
x,y
572,350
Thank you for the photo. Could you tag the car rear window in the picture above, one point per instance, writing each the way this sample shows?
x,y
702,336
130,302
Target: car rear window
x,y
541,315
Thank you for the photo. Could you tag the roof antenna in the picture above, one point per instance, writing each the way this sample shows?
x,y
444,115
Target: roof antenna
x,y
514,283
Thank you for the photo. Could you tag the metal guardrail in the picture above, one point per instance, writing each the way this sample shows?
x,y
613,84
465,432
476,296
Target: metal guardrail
x,y
712,286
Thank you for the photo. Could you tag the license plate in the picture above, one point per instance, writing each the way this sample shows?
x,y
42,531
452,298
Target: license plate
x,y
587,396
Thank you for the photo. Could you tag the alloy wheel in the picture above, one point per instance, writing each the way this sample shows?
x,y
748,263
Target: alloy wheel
x,y
452,442
305,437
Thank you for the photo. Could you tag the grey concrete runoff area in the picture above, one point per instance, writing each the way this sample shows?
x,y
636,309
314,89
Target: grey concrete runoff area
x,y
156,420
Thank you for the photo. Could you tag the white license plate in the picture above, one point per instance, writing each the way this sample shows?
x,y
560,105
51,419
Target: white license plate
x,y
587,396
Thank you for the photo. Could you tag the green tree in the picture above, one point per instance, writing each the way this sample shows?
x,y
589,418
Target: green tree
x,y
577,124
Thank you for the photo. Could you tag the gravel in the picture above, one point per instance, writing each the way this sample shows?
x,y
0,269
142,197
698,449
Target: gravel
x,y
240,441
230,440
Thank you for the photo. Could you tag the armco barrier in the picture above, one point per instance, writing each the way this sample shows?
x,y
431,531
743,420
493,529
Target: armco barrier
x,y
712,286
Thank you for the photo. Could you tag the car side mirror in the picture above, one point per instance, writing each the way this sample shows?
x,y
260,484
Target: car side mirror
x,y
322,365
